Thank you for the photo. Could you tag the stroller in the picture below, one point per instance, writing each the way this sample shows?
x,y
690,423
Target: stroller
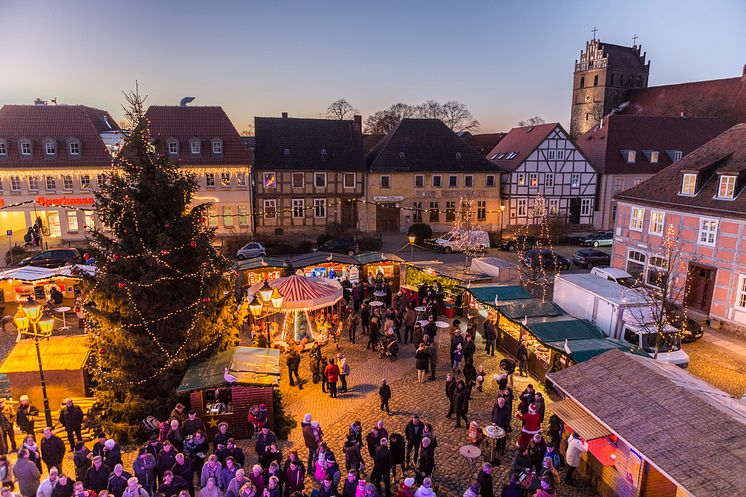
x,y
388,346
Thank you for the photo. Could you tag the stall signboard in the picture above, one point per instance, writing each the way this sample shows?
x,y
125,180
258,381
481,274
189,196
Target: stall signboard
x,y
255,277
634,468
354,274
47,201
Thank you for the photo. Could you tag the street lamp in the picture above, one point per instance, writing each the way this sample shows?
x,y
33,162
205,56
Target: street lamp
x,y
502,211
30,320
411,239
268,297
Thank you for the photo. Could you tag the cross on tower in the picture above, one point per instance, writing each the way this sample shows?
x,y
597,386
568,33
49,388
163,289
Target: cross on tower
x,y
634,41
595,29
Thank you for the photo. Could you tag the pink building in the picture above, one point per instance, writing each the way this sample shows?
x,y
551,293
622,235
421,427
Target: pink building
x,y
702,198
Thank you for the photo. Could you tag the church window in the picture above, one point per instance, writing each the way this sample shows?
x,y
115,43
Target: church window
x,y
582,82
595,80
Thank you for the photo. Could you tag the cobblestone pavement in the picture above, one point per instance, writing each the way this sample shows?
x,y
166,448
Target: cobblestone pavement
x,y
453,473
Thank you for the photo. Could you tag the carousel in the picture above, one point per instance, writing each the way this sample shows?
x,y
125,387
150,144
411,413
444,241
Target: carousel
x,y
296,310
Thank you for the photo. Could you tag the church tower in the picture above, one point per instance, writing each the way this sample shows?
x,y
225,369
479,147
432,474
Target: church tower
x,y
603,76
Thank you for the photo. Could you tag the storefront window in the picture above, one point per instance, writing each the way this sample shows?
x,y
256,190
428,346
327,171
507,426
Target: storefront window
x,y
636,263
72,221
450,212
434,212
228,216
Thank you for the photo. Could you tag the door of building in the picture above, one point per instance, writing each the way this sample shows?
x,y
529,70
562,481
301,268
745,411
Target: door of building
x,y
700,283
574,211
349,213
387,217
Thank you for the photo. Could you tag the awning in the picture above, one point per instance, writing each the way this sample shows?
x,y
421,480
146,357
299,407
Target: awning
x,y
261,263
578,419
491,294
532,309
250,366
374,257
320,258
58,353
583,349
568,329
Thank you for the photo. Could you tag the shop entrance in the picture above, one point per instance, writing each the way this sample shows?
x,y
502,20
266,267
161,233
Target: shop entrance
x,y
53,224
701,283
574,211
387,217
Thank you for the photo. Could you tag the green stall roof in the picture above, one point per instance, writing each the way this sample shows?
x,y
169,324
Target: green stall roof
x,y
261,262
488,294
583,349
373,257
569,329
532,309
250,366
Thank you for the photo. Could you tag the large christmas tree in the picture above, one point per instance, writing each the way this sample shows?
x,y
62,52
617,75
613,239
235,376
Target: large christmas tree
x,y
162,295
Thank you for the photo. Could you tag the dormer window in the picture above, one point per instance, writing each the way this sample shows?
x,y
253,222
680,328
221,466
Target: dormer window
x,y
727,186
26,148
677,155
3,148
689,184
654,157
217,146
630,156
173,147
50,148
195,146
74,147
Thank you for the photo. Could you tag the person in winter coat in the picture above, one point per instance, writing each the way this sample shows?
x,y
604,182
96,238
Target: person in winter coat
x,y
294,478
144,468
211,489
522,356
490,337
501,416
450,390
33,450
384,392
172,484
47,484
27,474
426,489
331,372
426,462
26,415
263,440
549,472
382,463
344,370
512,489
52,449
531,425
82,460
228,472
256,477
6,473
537,448
432,354
546,489
540,405
469,349
185,468
134,489
350,484
521,460
421,360
413,433
112,453
175,435
97,476
166,459
238,481
273,487
7,433
484,478
64,488
461,403
193,424
396,446
406,488
373,440
328,488
353,458
293,363
71,417
118,481
576,447
211,469
221,437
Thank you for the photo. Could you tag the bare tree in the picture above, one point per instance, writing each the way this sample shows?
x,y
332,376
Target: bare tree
x,y
453,114
383,121
429,110
456,116
339,109
531,121
248,130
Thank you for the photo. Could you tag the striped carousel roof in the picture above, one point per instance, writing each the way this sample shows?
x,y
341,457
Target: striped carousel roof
x,y
302,293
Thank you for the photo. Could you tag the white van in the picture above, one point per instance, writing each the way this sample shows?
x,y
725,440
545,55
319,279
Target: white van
x,y
616,275
450,242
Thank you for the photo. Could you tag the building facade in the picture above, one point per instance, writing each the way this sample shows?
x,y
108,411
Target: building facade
x,y
419,173
204,142
627,150
308,173
603,76
543,162
52,158
701,199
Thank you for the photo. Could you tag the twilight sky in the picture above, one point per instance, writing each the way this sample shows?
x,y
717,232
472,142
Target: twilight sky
x,y
506,60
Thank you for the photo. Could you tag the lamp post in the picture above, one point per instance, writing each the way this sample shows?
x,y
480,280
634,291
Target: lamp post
x,y
30,320
502,211
266,297
411,239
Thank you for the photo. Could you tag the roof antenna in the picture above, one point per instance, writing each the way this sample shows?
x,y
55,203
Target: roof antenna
x,y
186,100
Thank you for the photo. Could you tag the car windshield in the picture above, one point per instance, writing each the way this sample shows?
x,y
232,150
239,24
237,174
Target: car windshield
x,y
669,342
628,281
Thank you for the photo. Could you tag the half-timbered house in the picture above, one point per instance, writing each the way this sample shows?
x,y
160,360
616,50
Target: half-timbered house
x,y
544,162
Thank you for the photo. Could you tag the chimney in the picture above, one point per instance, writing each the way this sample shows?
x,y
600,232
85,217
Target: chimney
x,y
284,115
357,123
683,114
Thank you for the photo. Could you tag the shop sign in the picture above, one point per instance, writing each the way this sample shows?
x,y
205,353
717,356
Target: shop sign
x,y
354,274
461,193
388,198
46,201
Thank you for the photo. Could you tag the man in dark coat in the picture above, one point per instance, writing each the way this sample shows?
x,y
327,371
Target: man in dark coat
x,y
310,440
382,463
192,424
166,460
172,484
450,393
501,416
293,363
97,476
522,356
6,425
372,440
461,403
221,437
52,449
384,392
144,467
469,348
98,447
426,463
413,433
490,337
185,468
432,353
486,487
71,417
117,481
264,439
26,416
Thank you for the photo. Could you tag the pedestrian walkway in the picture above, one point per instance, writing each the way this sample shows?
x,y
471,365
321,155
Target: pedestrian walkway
x,y
727,344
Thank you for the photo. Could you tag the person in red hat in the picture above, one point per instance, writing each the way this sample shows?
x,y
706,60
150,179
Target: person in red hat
x,y
531,425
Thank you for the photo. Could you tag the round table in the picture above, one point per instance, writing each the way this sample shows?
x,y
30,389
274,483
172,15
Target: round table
x,y
376,303
63,310
379,294
442,324
492,434
470,453
420,309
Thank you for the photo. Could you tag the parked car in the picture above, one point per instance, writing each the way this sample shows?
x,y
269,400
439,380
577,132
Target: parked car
x,y
545,259
590,257
56,257
599,239
251,249
450,242
340,245
689,329
521,242
616,275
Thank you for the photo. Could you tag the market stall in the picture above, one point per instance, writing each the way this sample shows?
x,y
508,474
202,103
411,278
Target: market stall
x,y
452,278
17,284
310,310
258,269
327,265
64,359
389,266
225,386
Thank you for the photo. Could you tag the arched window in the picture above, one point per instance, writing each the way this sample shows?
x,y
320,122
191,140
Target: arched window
x,y
582,81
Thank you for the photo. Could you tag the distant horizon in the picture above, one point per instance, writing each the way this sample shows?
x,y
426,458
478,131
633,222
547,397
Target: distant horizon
x,y
506,62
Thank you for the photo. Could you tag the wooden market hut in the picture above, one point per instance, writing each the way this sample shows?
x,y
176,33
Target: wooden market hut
x,y
63,358
653,429
216,399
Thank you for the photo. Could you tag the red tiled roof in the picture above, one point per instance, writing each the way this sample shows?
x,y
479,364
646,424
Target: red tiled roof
x,y
185,123
483,142
521,140
724,153
724,98
603,145
59,123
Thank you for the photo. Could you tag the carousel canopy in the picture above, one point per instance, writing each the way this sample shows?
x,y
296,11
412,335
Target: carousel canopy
x,y
301,293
